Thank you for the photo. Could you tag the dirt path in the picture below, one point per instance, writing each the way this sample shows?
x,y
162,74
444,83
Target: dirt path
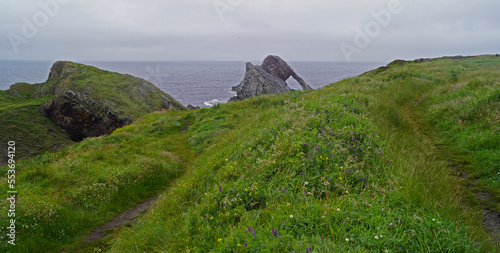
x,y
120,220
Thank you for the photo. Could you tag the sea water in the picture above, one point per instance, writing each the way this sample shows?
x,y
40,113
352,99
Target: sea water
x,y
198,83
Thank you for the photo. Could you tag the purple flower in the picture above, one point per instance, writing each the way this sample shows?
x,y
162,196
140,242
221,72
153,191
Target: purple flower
x,y
329,180
220,188
245,244
322,240
308,249
284,189
273,231
347,214
305,144
249,229
280,188
319,148
254,233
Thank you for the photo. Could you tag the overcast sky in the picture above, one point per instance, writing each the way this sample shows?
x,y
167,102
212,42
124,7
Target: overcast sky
x,y
246,30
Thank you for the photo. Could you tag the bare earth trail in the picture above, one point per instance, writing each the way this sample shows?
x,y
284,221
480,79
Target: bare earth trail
x,y
121,220
127,216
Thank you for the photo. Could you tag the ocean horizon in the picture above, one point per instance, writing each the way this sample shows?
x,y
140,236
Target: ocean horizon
x,y
197,83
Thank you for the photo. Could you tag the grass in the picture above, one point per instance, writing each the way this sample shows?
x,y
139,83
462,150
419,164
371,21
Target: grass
x,y
87,184
363,165
23,123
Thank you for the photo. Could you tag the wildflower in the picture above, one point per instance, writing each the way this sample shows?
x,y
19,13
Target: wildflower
x,y
220,188
246,189
306,183
239,245
338,209
347,239
249,229
254,233
250,149
219,239
308,249
211,217
227,160
245,244
284,190
288,204
376,237
291,216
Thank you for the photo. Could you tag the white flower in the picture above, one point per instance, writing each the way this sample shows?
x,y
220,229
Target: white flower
x,y
376,237
347,239
288,204
291,216
306,183
433,219
338,209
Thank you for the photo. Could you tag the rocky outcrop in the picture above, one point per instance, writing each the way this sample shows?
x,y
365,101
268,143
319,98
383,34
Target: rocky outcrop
x,y
275,65
90,102
268,78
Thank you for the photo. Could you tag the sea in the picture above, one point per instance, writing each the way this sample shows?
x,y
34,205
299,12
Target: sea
x,y
197,83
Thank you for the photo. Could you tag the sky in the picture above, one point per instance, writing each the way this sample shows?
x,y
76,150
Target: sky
x,y
247,30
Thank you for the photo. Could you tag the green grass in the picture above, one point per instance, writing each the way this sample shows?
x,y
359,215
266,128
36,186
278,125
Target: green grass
x,y
368,165
23,123
63,196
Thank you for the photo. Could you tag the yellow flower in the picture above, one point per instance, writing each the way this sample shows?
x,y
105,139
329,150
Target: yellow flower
x,y
219,239
227,160
250,149
239,245
246,189
211,217
206,194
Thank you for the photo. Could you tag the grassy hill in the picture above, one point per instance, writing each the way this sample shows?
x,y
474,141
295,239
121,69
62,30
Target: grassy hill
x,y
114,93
392,160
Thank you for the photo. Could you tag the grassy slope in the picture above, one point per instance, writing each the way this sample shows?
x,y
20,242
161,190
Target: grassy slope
x,y
63,196
365,164
356,200
23,123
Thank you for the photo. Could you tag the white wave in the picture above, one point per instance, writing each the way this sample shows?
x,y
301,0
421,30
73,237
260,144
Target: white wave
x,y
214,102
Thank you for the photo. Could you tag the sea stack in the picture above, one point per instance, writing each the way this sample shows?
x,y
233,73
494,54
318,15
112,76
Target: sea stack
x,y
268,78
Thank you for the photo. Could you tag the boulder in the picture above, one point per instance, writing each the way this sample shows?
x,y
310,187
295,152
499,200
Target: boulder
x,y
268,78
